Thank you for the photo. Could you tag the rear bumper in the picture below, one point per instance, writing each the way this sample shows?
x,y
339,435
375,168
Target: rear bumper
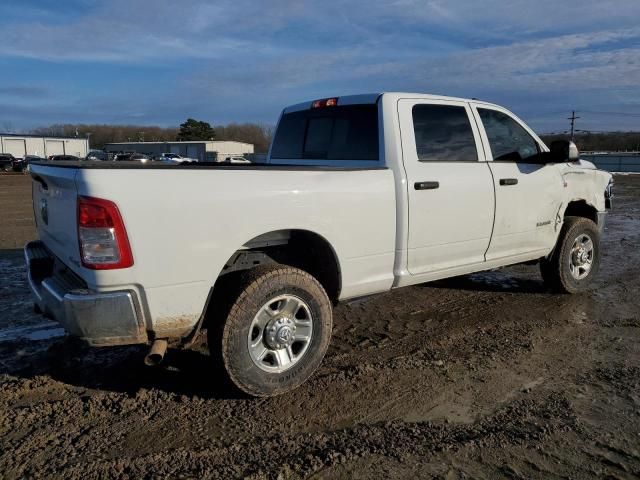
x,y
107,318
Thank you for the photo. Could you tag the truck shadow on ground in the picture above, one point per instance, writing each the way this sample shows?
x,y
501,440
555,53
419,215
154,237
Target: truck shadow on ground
x,y
72,362
121,369
493,281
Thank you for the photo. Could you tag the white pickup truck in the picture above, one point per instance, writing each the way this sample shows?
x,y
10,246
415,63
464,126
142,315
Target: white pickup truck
x,y
359,195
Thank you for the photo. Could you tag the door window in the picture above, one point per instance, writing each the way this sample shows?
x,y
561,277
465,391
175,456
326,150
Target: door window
x,y
509,141
443,134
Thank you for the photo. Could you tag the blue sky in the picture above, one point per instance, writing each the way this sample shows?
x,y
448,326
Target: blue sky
x,y
159,62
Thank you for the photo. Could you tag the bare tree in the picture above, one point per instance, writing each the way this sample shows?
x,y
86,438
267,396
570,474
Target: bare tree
x,y
257,134
600,141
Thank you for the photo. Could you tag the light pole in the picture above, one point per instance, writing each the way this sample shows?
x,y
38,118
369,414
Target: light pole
x,y
573,119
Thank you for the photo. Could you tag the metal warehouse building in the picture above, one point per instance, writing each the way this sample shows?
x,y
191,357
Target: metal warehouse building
x,y
210,151
21,145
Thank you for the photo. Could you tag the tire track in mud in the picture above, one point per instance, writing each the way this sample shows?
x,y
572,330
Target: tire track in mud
x,y
424,359
523,422
143,403
437,325
502,338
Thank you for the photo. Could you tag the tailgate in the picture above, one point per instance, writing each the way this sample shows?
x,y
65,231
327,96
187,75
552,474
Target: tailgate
x,y
54,207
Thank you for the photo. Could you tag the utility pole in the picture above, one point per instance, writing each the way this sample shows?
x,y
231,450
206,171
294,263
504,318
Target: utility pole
x,y
573,119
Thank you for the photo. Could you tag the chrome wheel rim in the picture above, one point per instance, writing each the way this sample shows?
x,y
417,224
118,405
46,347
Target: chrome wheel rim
x,y
280,333
582,253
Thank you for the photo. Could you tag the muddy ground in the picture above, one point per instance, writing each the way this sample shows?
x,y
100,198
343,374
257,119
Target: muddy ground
x,y
482,376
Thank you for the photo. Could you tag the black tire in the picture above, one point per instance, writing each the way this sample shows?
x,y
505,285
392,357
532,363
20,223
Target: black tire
x,y
556,270
229,343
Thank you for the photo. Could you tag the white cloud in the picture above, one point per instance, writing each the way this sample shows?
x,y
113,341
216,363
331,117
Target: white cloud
x,y
244,52
524,16
139,30
565,62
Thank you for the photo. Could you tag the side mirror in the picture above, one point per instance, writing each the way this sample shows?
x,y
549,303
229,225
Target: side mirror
x,y
564,151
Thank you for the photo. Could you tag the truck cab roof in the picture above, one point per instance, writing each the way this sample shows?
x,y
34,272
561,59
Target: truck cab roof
x,y
369,98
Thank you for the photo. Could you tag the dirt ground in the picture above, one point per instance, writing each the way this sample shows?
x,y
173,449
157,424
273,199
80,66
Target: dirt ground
x,y
482,376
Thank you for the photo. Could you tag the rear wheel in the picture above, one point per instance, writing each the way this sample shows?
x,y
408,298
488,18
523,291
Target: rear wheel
x,y
276,332
576,258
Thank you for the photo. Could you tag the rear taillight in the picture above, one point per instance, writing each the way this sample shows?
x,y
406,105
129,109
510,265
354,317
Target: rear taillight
x,y
103,239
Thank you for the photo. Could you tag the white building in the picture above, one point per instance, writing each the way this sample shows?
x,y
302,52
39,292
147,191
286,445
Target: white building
x,y
201,150
21,145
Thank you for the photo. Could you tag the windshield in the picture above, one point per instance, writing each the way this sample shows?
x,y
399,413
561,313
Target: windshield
x,y
347,132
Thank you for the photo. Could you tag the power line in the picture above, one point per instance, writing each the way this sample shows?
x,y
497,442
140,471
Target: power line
x,y
584,131
573,119
593,112
593,131
625,114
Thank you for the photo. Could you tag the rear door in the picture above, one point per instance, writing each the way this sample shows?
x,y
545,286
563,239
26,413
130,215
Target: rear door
x,y
450,189
528,194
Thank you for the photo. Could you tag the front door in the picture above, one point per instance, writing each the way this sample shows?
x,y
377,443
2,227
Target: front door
x,y
450,189
528,193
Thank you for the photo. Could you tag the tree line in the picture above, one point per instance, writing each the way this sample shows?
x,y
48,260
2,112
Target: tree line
x,y
260,135
99,134
605,141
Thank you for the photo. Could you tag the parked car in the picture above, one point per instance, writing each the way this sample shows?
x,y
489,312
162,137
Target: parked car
x,y
6,162
236,159
123,156
22,164
360,195
60,158
174,159
99,155
139,157
133,157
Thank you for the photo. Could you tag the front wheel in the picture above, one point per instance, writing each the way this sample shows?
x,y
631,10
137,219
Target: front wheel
x,y
576,259
276,333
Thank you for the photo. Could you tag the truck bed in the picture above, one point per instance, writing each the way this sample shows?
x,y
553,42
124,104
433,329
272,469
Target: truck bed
x,y
126,165
184,224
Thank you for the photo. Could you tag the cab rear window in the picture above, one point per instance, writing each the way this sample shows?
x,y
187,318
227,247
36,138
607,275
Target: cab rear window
x,y
347,132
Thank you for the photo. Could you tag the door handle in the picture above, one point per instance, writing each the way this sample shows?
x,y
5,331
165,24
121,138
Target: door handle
x,y
426,185
508,181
